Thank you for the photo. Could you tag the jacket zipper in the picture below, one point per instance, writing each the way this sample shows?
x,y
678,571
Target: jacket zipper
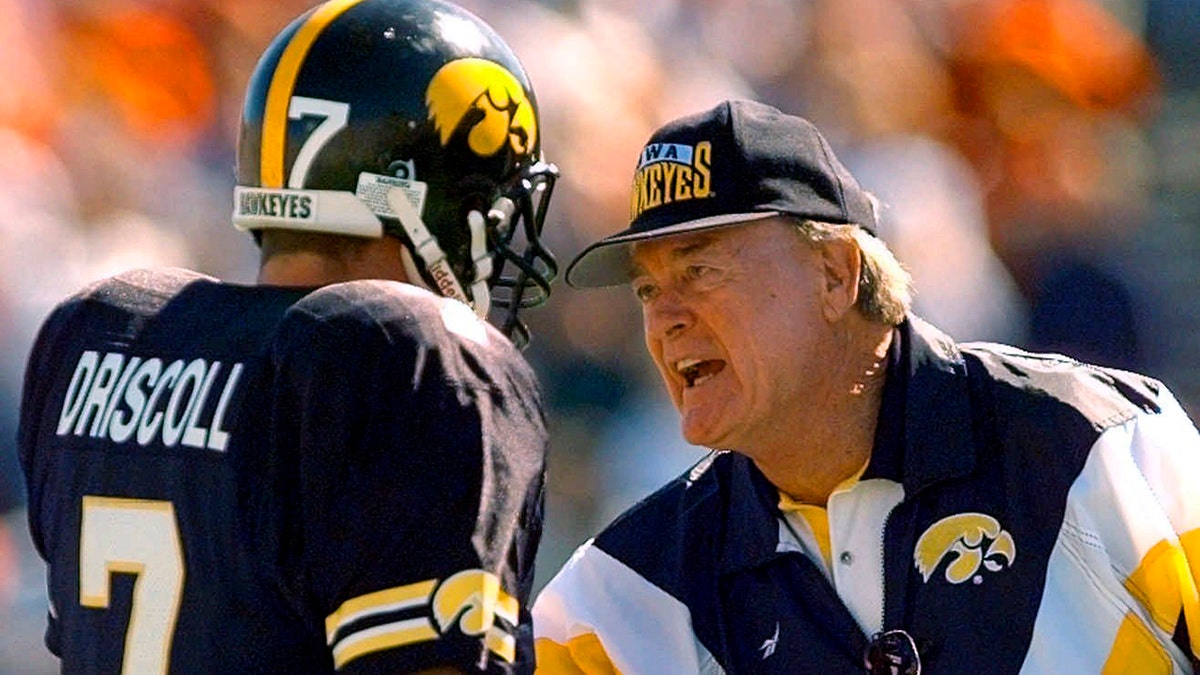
x,y
883,576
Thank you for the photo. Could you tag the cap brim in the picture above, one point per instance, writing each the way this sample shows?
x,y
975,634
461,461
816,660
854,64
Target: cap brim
x,y
607,262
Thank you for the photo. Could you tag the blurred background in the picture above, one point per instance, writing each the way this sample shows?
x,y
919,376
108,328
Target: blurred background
x,y
1039,161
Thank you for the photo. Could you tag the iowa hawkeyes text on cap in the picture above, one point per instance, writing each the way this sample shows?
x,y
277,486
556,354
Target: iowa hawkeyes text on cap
x,y
669,172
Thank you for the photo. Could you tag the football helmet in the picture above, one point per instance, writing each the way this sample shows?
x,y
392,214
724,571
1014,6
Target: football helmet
x,y
408,118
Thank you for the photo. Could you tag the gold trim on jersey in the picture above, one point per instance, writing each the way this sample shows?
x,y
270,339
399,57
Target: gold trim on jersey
x,y
471,600
380,638
389,600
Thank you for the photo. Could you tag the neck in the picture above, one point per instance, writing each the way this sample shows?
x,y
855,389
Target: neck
x,y
304,259
831,435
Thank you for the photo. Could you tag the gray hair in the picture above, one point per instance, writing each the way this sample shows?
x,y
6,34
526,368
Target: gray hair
x,y
885,288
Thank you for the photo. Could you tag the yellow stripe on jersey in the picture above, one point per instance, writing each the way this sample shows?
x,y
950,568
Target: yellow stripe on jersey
x,y
1136,651
581,655
279,96
508,608
386,600
1163,584
501,644
380,638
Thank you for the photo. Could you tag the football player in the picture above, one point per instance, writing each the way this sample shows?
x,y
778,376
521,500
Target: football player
x,y
339,468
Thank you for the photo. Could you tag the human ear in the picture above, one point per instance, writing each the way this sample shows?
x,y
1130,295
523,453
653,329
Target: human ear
x,y
841,263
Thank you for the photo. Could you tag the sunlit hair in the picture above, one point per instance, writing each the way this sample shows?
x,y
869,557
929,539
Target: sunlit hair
x,y
885,289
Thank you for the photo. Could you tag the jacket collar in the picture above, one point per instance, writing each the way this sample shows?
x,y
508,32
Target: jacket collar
x,y
933,416
924,436
751,523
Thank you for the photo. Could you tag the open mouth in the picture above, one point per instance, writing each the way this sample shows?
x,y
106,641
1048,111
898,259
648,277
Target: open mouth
x,y
696,371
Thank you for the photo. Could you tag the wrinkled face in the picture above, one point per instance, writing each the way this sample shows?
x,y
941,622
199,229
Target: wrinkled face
x,y
733,321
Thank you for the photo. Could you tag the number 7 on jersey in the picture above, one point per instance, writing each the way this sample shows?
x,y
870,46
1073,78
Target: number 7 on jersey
x,y
139,537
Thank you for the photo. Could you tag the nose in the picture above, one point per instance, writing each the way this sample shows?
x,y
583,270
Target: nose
x,y
667,316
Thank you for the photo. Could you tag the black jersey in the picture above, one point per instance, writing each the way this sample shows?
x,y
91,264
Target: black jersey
x,y
246,479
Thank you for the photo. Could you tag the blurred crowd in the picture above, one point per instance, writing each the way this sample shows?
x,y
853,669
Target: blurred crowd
x,y
1037,160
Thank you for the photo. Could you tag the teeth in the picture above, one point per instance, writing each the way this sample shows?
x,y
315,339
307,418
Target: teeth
x,y
690,370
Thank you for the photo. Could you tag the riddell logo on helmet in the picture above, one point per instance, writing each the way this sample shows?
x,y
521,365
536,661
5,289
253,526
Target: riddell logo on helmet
x,y
444,279
490,97
669,172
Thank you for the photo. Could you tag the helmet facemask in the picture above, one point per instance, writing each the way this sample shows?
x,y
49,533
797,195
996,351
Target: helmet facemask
x,y
509,234
514,233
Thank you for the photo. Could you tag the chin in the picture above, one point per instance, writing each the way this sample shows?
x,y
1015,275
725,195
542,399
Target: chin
x,y
702,436
690,433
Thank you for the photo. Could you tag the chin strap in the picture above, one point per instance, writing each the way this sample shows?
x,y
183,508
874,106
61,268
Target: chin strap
x,y
428,252
482,261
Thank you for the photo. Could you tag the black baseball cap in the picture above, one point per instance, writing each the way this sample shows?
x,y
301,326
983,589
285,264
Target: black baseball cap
x,y
737,162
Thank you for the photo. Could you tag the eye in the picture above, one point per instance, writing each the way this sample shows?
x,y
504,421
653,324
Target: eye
x,y
644,291
702,276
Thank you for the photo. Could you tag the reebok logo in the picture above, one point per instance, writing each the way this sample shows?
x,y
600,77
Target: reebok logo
x,y
768,645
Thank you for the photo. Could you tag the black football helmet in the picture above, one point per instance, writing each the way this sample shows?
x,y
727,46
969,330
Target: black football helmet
x,y
409,118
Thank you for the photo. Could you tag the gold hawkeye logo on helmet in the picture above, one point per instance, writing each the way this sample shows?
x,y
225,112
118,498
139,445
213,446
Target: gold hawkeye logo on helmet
x,y
491,98
967,541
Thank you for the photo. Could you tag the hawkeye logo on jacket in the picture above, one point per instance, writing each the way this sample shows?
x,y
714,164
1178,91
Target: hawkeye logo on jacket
x,y
966,542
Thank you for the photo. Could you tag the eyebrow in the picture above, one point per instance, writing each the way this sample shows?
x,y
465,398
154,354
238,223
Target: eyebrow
x,y
701,243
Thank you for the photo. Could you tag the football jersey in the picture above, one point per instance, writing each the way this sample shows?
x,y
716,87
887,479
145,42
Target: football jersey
x,y
251,479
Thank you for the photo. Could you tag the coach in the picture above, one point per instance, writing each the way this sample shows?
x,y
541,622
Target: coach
x,y
879,498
